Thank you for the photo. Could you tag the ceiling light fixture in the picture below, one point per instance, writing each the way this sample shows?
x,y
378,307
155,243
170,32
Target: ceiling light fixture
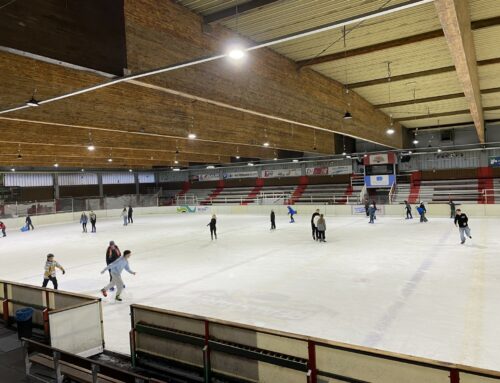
x,y
275,159
56,165
12,170
130,170
32,102
110,160
210,167
265,144
237,157
295,160
439,150
191,136
390,131
83,170
19,156
176,162
176,169
236,53
347,115
91,148
415,141
250,164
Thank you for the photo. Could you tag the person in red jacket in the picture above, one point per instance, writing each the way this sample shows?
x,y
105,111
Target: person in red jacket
x,y
3,228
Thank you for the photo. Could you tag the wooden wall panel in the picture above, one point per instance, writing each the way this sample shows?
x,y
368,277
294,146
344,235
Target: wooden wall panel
x,y
79,191
163,33
115,190
36,194
88,33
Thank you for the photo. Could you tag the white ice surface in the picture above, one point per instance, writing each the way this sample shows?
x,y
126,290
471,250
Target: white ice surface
x,y
397,285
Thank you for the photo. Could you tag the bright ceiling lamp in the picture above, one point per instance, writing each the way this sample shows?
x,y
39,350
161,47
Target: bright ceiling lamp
x,y
439,150
266,144
191,136
295,160
12,170
56,165
275,159
237,157
110,160
347,115
176,169
390,131
91,148
236,53
210,167
415,141
130,170
176,162
250,164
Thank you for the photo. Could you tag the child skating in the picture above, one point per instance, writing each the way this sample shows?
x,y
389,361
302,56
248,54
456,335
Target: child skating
x,y
116,269
273,220
50,271
408,210
371,212
462,221
291,212
321,229
83,220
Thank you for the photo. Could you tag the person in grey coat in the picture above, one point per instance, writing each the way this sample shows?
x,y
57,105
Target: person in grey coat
x,y
321,228
371,211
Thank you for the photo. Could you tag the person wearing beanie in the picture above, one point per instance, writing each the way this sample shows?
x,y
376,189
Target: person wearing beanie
x,y
93,220
213,227
422,211
273,220
371,211
112,254
314,221
50,271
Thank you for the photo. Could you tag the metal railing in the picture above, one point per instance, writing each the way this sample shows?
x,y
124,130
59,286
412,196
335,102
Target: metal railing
x,y
72,205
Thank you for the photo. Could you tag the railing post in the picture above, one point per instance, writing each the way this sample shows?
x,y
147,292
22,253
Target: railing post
x,y
312,374
95,372
5,307
27,362
206,355
454,376
57,367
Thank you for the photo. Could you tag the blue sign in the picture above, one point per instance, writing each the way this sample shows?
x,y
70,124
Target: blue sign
x,y
380,181
495,162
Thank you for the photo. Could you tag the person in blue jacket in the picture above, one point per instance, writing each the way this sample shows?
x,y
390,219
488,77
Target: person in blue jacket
x,y
291,212
116,269
422,211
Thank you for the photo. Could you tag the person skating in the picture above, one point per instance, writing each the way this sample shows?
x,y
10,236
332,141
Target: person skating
x,y
314,219
452,209
367,207
112,254
273,220
408,210
124,216
93,220
291,212
321,228
29,224
115,270
213,227
371,211
463,225
3,228
50,271
130,214
83,220
422,211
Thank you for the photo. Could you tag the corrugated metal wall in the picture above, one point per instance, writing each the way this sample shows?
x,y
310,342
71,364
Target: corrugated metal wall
x,y
146,178
28,179
70,179
117,178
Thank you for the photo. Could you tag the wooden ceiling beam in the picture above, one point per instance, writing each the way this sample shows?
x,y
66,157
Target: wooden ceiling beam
x,y
455,21
424,73
236,10
478,24
445,114
426,100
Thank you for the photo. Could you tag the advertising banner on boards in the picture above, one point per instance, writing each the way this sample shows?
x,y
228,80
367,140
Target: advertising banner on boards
x,y
249,174
276,173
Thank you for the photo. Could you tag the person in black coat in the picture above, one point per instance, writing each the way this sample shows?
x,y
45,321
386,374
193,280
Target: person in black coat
x,y
130,213
462,221
213,227
273,220
29,224
452,209
112,254
408,210
313,224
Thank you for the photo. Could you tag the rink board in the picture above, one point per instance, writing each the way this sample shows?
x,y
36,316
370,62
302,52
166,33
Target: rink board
x,y
254,354
71,322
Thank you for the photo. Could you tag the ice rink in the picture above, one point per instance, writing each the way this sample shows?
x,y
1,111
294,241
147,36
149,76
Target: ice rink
x,y
397,285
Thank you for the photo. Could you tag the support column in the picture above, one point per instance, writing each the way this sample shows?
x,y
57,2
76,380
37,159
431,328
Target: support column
x,y
99,182
56,186
136,180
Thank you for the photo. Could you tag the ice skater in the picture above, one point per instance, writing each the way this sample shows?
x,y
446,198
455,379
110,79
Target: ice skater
x,y
83,220
408,210
321,228
124,216
115,270
314,219
292,213
213,227
112,254
50,271
452,209
273,220
130,214
3,228
371,212
29,224
93,220
367,207
463,225
422,211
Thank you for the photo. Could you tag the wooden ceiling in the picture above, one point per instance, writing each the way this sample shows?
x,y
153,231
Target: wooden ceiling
x,y
444,56
292,95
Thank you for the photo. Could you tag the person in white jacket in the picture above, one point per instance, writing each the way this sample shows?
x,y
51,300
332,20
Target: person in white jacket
x,y
116,269
124,216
